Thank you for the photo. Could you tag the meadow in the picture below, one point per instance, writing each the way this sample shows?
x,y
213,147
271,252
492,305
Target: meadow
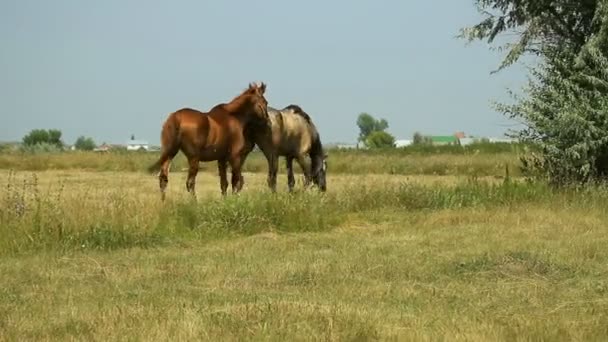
x,y
482,159
405,245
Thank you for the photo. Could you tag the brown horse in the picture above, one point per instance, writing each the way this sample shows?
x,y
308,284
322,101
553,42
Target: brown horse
x,y
291,134
215,135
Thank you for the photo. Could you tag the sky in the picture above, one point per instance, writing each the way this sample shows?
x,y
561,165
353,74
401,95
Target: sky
x,y
109,69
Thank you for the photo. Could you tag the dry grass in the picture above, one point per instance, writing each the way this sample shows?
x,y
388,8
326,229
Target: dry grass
x,y
395,162
443,258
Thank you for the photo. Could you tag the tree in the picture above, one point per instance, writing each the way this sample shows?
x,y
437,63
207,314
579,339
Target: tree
x,y
565,107
368,124
380,139
84,144
420,139
36,136
42,136
542,26
566,114
55,137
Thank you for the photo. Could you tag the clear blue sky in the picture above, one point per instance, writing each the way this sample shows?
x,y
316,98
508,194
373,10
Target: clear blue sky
x,y
110,68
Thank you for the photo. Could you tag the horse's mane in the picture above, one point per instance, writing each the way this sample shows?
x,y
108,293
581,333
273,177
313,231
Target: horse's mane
x,y
298,110
237,101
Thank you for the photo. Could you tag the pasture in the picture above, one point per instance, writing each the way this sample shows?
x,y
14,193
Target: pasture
x,y
404,246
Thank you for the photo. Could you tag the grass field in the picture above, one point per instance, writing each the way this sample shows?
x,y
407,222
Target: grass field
x,y
473,160
94,255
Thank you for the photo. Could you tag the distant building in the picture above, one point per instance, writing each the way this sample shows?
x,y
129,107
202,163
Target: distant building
x,y
403,142
137,145
503,140
444,139
468,141
102,148
346,146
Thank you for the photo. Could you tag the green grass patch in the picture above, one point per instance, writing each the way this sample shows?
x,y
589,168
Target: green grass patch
x,y
33,220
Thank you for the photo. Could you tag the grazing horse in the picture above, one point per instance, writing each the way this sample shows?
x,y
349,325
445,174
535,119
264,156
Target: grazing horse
x,y
291,134
215,135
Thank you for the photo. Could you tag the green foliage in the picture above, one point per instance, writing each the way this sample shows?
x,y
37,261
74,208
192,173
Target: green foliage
x,y
380,139
420,139
55,137
566,113
542,26
84,143
368,124
565,107
40,148
43,136
417,138
4,147
36,136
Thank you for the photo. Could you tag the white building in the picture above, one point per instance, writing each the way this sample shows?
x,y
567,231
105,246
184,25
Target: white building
x,y
468,141
503,140
403,142
137,145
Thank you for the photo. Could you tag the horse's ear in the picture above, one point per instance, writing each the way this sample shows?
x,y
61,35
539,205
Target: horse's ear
x,y
263,88
251,89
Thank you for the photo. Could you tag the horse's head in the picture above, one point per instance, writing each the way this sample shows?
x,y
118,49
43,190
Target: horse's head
x,y
319,175
256,102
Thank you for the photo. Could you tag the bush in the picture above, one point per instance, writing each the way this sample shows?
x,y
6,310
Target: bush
x,y
380,139
566,115
84,144
40,148
566,112
43,136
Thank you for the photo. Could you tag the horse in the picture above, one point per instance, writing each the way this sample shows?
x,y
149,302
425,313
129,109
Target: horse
x,y
217,135
293,135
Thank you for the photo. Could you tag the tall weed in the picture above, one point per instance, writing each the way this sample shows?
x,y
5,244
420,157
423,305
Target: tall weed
x,y
32,218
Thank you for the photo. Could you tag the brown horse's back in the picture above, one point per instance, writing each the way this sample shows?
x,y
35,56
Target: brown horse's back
x,y
209,136
194,128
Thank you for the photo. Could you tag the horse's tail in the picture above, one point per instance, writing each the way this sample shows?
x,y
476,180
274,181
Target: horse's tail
x,y
169,142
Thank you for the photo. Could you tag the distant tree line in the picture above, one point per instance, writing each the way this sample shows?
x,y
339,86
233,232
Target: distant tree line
x,y
52,138
43,136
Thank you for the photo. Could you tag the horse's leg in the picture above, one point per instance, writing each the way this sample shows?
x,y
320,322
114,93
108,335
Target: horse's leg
x,y
237,178
222,169
163,177
291,180
306,169
192,172
273,167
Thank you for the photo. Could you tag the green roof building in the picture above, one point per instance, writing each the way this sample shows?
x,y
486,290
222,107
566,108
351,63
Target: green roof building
x,y
444,139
